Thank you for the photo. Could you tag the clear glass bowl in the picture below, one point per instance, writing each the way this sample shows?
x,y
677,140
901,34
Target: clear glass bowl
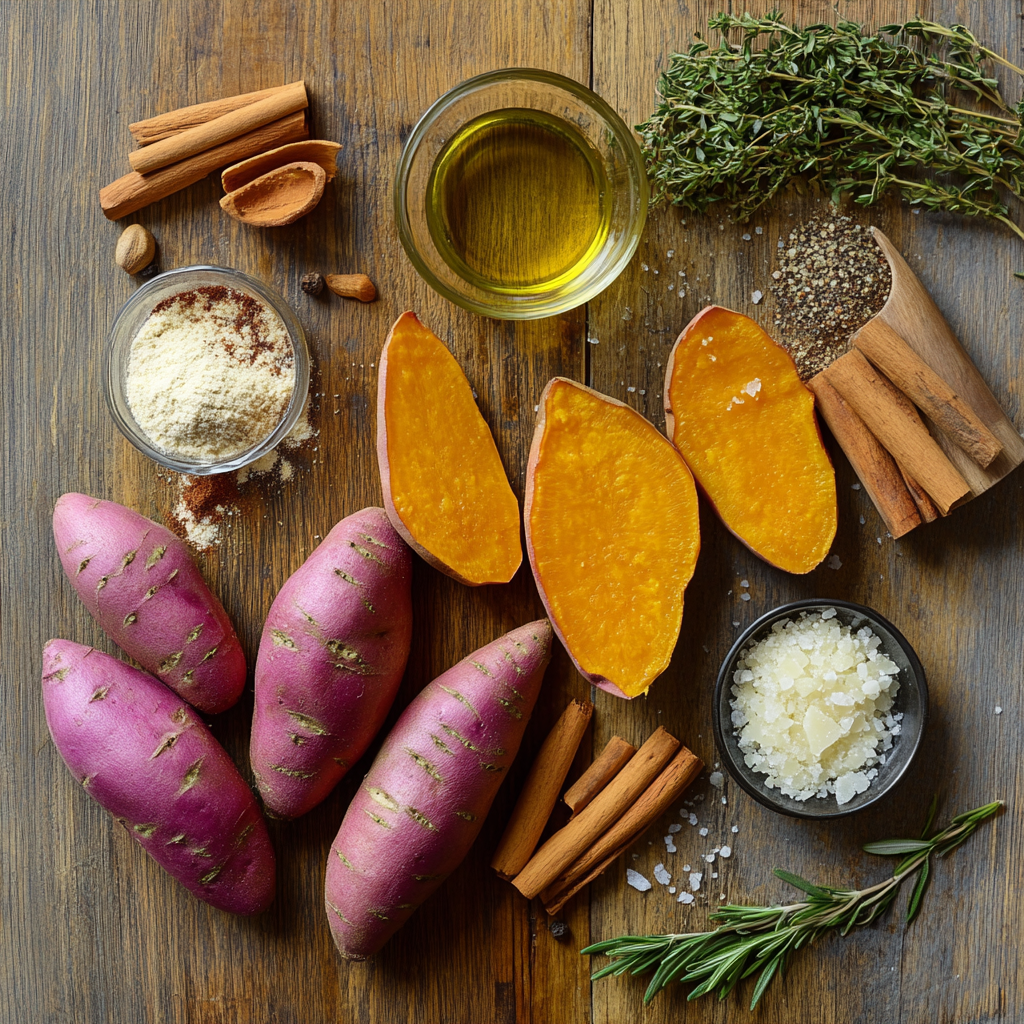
x,y
134,314
911,700
585,112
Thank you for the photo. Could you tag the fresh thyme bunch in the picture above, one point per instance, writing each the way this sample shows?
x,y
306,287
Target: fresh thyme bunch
x,y
856,113
752,939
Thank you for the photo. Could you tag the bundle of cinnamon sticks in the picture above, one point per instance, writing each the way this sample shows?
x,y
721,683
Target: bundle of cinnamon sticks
x,y
621,795
870,399
181,147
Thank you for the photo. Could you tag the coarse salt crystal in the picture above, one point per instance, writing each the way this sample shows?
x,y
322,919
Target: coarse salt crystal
x,y
635,879
672,888
716,779
692,818
756,297
835,562
685,897
695,879
726,851
703,831
999,710
662,874
673,829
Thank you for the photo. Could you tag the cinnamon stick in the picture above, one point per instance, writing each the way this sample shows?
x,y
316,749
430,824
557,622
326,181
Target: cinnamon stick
x,y
875,467
604,768
133,191
221,129
606,809
925,506
540,792
162,126
928,391
655,800
905,437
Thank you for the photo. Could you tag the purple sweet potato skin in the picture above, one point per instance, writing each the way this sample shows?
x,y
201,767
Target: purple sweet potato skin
x,y
145,756
331,658
140,584
426,795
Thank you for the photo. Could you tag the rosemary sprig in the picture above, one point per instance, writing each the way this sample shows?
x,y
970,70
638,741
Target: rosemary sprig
x,y
761,939
857,113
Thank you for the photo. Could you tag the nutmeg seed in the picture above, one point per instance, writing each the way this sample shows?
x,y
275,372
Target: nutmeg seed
x,y
135,249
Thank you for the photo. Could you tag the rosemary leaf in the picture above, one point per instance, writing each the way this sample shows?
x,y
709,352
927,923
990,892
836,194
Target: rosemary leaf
x,y
752,939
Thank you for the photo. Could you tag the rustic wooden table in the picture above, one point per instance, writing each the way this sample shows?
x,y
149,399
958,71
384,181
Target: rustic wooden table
x,y
91,928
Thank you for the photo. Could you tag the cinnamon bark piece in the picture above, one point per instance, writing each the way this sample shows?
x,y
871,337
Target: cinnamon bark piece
x,y
220,130
605,767
540,793
133,191
872,397
928,391
162,126
656,799
607,808
875,467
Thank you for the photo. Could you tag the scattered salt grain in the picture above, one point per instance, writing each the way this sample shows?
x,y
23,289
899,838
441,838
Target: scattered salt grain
x,y
670,846
673,829
594,341
703,831
726,851
835,562
734,829
744,583
999,710
746,238
635,879
744,597
695,879
854,487
672,889
716,779
685,897
714,874
756,297
662,874
710,858
692,818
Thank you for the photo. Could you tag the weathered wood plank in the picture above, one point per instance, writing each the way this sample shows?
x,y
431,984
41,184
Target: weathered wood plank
x,y
951,587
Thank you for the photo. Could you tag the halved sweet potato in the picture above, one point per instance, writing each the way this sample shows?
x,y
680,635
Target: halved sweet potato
x,y
445,489
736,409
612,532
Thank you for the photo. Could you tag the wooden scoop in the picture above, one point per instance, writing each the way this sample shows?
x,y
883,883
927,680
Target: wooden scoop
x,y
279,197
911,342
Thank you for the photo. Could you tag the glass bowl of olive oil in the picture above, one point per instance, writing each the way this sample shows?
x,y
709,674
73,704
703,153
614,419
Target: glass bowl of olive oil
x,y
520,194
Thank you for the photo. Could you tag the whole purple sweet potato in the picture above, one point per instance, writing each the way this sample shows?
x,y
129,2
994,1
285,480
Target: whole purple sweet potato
x,y
426,795
144,755
143,588
331,658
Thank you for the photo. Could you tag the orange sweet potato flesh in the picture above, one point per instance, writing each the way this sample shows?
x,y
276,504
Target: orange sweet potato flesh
x,y
613,533
445,489
737,410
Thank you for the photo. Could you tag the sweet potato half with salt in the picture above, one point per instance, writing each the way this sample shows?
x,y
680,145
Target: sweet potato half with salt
x,y
445,489
736,409
612,533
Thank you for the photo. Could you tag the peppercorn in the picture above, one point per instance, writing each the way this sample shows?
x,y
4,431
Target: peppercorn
x,y
559,929
313,284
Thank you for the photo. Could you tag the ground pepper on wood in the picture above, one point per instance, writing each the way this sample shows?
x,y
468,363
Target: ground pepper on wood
x,y
831,278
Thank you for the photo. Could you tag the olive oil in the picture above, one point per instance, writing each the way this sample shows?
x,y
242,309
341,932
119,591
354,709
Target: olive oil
x,y
518,202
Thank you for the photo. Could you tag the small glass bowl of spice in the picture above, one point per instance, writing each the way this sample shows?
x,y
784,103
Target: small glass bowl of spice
x,y
819,708
205,370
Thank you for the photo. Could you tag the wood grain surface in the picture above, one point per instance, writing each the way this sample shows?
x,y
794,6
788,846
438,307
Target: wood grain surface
x,y
92,929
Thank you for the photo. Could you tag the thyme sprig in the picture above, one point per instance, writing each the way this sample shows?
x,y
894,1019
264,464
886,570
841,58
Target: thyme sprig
x,y
752,939
857,113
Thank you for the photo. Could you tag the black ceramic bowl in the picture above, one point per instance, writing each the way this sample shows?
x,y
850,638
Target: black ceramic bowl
x,y
911,699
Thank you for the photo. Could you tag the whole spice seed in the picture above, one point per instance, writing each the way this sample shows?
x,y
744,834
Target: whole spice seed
x,y
855,111
135,249
831,278
313,284
352,286
751,939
